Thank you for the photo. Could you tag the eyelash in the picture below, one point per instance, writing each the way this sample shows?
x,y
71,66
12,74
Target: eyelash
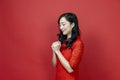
x,y
62,24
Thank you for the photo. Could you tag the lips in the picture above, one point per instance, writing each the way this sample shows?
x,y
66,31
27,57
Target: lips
x,y
62,30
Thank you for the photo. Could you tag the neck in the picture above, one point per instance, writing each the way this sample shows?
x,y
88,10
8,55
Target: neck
x,y
68,36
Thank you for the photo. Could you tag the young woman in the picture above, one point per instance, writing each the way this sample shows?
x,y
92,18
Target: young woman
x,y
67,51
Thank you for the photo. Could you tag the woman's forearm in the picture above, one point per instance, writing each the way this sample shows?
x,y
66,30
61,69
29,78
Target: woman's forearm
x,y
64,62
54,60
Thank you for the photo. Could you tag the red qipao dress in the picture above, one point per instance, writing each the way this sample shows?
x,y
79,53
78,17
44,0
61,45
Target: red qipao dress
x,y
73,56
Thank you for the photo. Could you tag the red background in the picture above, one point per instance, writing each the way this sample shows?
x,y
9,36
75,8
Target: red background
x,y
28,28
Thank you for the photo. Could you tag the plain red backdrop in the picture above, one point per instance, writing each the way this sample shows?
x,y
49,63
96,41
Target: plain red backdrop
x,y
28,28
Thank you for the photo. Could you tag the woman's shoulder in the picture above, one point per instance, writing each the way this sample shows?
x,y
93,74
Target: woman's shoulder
x,y
77,42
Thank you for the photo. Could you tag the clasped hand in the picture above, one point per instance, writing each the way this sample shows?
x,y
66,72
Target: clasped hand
x,y
56,46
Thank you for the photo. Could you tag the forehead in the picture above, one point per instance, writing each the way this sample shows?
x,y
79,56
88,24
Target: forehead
x,y
63,20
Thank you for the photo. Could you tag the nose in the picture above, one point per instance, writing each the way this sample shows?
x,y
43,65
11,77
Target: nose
x,y
61,27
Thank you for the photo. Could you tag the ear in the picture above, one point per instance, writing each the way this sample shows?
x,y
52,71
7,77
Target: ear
x,y
73,24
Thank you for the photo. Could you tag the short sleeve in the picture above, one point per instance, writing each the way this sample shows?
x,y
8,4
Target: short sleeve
x,y
77,51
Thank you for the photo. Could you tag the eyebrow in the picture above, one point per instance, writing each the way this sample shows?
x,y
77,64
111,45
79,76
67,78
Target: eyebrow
x,y
62,22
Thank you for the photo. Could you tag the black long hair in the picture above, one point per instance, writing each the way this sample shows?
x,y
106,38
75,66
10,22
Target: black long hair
x,y
72,18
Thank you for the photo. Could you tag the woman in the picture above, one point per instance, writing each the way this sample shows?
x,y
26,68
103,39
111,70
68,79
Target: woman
x,y
67,51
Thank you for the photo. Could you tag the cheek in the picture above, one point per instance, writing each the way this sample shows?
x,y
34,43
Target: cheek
x,y
68,29
67,26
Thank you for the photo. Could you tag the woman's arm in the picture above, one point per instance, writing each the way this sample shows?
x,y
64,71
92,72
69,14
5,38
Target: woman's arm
x,y
54,60
75,58
56,49
64,62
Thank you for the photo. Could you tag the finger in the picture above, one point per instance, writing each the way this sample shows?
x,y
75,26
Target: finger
x,y
59,42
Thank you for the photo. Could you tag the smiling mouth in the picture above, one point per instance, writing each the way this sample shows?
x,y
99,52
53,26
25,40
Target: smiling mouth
x,y
62,30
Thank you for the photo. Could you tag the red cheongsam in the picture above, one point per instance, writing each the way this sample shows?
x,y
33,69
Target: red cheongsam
x,y
73,56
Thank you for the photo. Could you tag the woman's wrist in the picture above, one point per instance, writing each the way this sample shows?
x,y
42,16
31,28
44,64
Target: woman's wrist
x,y
57,52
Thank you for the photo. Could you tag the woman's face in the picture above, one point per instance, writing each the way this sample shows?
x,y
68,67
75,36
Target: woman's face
x,y
65,26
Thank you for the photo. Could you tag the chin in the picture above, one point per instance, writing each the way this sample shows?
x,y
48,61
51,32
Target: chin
x,y
64,34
